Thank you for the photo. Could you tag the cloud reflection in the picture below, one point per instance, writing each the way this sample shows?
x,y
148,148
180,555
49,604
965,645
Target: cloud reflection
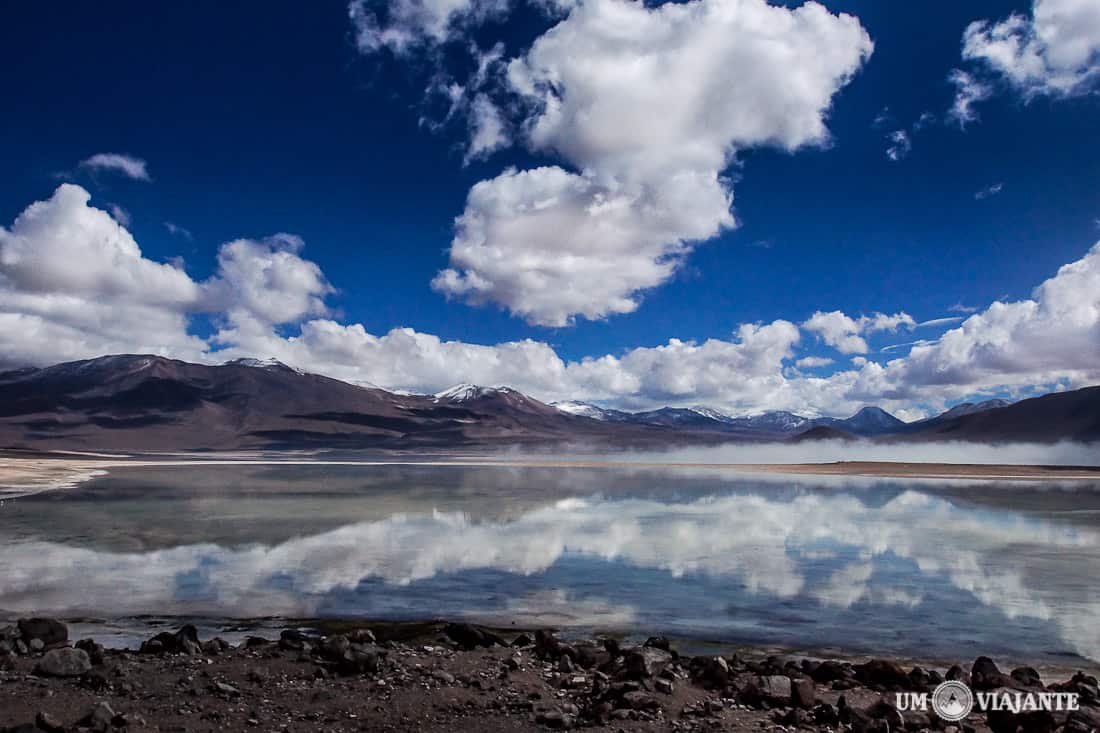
x,y
837,550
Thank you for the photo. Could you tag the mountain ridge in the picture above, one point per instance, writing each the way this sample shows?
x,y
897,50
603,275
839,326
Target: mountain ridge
x,y
146,402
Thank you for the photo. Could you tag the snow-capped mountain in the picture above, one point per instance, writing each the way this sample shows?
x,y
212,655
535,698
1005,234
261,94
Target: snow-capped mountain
x,y
143,402
467,392
581,409
777,421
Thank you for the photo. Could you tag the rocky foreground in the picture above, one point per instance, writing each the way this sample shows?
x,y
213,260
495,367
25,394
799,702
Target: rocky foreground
x,y
460,677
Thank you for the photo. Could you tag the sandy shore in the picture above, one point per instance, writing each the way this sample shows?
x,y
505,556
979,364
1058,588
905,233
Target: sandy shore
x,y
21,475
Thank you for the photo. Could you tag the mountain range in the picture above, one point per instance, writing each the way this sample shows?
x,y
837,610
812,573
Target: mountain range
x,y
151,403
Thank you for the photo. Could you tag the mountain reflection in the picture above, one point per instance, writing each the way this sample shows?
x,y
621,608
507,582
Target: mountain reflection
x,y
725,564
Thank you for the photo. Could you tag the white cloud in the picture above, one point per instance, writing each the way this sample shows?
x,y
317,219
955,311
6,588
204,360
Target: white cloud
x,y
119,214
900,145
1052,336
968,91
1055,51
178,231
991,190
127,165
406,24
844,333
488,129
74,284
813,362
642,103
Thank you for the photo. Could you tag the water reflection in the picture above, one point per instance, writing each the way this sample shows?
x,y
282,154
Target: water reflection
x,y
875,566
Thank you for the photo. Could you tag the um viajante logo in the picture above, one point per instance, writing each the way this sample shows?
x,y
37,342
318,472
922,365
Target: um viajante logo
x,y
954,700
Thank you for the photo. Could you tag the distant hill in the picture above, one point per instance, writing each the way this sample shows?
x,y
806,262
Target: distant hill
x,y
150,403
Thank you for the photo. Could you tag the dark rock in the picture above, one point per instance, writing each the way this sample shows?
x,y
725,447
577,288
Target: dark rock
x,y
662,685
296,641
773,689
884,673
64,662
362,636
1082,721
358,661
1027,676
825,714
550,648
831,670
184,641
793,717
36,645
918,677
49,631
335,647
224,688
984,675
658,642
94,651
522,640
1033,721
100,719
712,673
48,723
645,662
640,701
917,720
215,647
470,637
958,673
803,694
883,710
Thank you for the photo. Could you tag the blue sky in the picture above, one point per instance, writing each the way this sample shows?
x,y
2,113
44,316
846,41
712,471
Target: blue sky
x,y
254,120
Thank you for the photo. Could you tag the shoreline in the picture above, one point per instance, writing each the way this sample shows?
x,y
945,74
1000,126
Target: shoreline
x,y
23,475
460,676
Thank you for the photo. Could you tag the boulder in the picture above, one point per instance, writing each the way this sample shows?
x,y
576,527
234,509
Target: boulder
x,y
712,673
49,631
803,694
774,688
646,661
831,671
94,651
984,675
1033,721
658,642
63,662
470,637
1027,676
884,673
184,641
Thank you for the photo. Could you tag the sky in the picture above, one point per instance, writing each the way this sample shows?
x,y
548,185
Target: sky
x,y
750,206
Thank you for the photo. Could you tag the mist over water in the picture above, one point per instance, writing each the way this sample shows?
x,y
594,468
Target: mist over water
x,y
831,451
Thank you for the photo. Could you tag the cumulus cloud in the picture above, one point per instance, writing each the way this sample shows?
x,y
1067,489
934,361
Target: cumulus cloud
x,y
843,332
75,284
1055,51
1052,336
640,102
126,165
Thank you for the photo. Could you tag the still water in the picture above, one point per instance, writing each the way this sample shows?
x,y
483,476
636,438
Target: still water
x,y
929,569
